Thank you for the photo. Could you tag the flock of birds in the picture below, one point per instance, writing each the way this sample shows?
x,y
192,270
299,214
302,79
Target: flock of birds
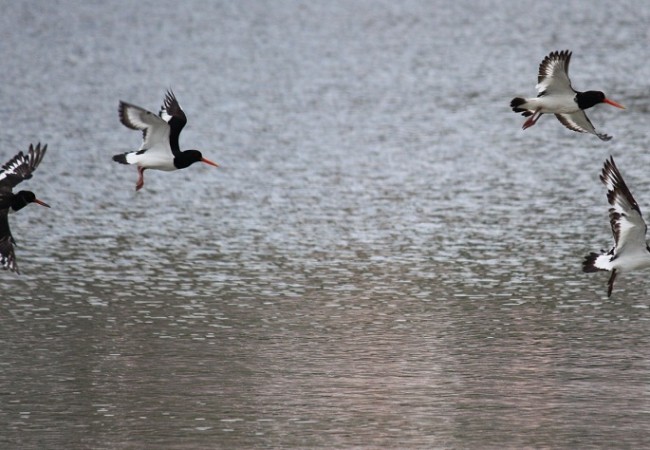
x,y
555,95
160,150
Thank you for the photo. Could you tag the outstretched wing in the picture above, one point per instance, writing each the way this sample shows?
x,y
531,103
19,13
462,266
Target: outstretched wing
x,y
625,217
578,121
155,131
21,166
7,255
553,77
172,113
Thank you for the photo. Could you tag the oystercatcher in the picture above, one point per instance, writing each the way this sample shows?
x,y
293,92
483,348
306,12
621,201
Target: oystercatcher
x,y
556,96
630,250
17,169
159,149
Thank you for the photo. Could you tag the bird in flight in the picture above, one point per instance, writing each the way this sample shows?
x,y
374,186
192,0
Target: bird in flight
x,y
17,169
630,250
159,149
556,96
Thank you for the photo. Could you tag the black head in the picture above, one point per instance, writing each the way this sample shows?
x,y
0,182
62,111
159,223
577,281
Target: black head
x,y
588,99
189,157
24,198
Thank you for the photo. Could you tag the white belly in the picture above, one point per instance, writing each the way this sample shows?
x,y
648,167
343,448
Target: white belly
x,y
152,160
552,104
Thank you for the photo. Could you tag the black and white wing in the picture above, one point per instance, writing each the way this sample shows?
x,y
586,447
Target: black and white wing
x,y
578,121
553,77
625,217
155,130
21,166
172,113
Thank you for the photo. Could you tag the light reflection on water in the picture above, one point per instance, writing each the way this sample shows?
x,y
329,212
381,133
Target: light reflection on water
x,y
383,260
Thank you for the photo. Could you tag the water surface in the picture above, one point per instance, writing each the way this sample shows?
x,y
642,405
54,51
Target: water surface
x,y
383,259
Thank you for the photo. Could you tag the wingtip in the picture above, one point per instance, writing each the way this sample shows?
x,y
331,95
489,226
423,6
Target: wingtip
x,y
123,114
121,106
609,170
559,54
38,148
170,97
562,53
171,108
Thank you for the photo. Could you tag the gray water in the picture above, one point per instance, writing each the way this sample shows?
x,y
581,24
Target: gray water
x,y
383,260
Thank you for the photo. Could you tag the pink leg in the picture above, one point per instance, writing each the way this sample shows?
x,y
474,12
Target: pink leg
x,y
140,182
532,120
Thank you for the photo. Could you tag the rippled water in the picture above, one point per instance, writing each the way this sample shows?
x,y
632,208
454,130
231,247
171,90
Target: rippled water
x,y
384,259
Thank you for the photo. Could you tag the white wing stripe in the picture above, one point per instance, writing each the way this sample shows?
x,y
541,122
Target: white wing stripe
x,y
22,165
11,167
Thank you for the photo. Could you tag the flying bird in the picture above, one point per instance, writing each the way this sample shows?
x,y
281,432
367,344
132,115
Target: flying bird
x,y
17,169
630,250
159,149
556,96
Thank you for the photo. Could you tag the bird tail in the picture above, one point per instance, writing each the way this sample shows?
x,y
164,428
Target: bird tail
x,y
121,158
595,262
517,105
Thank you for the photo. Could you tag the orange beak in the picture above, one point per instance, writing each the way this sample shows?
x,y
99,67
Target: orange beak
x,y
40,202
207,161
613,103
